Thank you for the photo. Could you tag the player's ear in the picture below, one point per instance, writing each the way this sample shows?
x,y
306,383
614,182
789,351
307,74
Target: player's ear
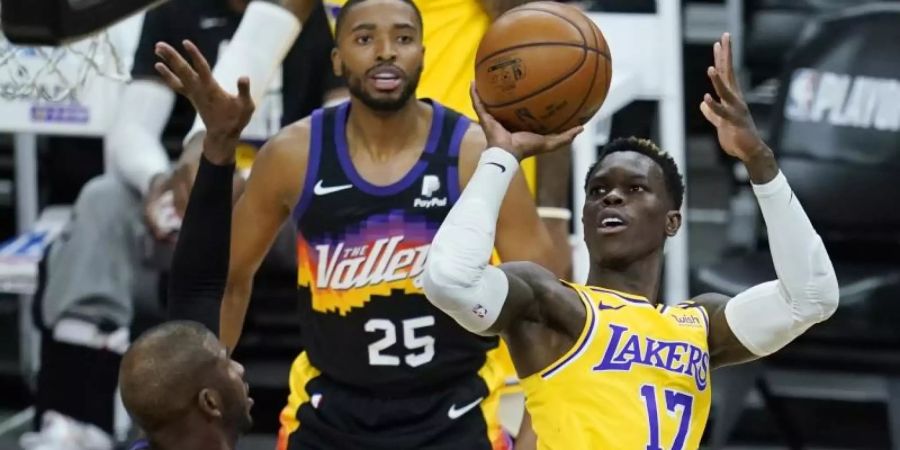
x,y
673,222
336,65
210,402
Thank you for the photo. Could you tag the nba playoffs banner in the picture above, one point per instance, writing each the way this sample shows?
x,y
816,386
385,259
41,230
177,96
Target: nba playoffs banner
x,y
838,137
843,100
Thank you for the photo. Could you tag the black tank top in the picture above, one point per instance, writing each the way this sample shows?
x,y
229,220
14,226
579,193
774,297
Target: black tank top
x,y
361,251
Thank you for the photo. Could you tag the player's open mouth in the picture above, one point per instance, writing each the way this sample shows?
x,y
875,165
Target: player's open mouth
x,y
386,78
611,222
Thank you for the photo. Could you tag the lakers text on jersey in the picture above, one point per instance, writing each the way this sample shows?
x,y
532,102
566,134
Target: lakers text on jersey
x,y
638,377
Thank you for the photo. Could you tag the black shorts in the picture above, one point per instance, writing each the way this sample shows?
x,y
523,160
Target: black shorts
x,y
327,416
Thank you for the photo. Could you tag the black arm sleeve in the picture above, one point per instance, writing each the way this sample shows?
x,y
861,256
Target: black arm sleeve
x,y
200,263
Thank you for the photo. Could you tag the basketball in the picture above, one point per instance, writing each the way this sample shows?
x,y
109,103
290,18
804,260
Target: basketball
x,y
543,67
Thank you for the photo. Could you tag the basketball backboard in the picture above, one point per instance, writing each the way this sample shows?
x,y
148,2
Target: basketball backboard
x,y
56,22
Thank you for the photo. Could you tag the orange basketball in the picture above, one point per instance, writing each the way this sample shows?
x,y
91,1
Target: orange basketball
x,y
543,67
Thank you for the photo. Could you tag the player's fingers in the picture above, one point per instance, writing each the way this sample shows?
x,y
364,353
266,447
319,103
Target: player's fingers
x,y
717,54
487,121
556,141
177,64
716,82
169,78
569,135
243,85
719,109
710,116
201,65
729,61
723,90
478,105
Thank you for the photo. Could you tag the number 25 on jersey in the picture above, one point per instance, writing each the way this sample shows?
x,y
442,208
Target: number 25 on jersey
x,y
421,347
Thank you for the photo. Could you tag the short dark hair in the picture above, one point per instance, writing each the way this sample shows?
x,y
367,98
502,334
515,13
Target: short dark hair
x,y
646,147
342,14
163,370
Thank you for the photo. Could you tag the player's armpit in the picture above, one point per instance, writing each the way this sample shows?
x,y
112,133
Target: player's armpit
x,y
528,284
724,347
541,318
273,188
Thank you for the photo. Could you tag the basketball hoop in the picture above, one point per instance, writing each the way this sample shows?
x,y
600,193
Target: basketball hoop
x,y
58,74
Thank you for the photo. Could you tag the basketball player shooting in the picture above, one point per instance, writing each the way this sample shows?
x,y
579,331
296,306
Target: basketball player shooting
x,y
367,184
608,364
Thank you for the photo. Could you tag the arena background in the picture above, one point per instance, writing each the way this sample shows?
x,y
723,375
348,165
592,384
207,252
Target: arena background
x,y
806,67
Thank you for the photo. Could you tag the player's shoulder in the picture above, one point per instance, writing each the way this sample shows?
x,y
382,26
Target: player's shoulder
x,y
475,138
472,144
290,144
710,301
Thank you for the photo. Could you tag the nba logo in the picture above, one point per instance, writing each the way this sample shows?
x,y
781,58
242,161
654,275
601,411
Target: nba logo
x,y
430,184
801,94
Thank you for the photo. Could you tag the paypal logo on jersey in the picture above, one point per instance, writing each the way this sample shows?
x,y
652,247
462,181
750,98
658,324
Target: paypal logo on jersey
x,y
430,185
627,348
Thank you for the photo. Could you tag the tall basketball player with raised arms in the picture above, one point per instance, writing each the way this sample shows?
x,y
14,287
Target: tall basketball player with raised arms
x,y
608,364
367,184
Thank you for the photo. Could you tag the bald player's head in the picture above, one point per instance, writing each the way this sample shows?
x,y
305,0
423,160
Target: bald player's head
x,y
178,372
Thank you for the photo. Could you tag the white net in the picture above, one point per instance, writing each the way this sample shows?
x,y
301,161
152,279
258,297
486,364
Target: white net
x,y
58,74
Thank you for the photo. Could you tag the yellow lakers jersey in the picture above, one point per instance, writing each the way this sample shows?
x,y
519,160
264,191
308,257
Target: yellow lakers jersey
x,y
638,377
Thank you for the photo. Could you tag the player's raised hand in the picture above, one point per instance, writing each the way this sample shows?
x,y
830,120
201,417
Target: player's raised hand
x,y
224,114
521,144
730,114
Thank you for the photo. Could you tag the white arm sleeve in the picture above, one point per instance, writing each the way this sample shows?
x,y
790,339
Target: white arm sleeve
x,y
458,278
132,146
261,42
767,317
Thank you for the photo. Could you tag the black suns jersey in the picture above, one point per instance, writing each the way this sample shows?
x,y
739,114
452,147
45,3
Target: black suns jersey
x,y
361,252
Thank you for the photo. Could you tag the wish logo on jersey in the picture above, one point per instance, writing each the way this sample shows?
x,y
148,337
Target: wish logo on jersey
x,y
627,348
386,253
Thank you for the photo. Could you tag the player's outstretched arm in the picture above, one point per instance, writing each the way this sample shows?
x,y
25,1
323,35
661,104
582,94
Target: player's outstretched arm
x,y
200,261
272,188
458,278
518,220
766,317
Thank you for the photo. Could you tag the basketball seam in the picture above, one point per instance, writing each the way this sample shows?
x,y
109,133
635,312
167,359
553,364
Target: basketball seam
x,y
544,44
590,86
550,85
